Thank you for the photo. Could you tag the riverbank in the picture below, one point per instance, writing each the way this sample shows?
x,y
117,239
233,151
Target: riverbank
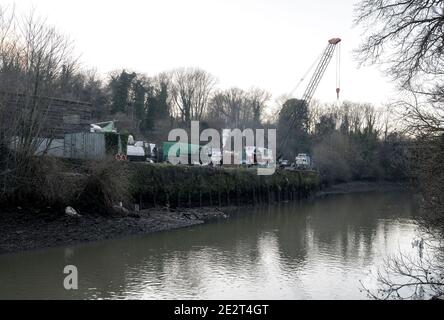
x,y
35,217
258,253
27,230
24,229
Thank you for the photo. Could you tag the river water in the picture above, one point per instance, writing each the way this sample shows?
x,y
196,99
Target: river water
x,y
322,249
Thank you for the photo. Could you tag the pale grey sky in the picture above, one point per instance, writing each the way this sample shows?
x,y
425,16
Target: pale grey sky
x,y
264,43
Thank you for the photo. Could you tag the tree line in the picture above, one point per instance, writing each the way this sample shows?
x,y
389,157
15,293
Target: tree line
x,y
348,142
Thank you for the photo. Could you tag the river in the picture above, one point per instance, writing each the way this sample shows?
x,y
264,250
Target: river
x,y
322,249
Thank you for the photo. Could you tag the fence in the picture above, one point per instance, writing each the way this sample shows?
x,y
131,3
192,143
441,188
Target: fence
x,y
84,145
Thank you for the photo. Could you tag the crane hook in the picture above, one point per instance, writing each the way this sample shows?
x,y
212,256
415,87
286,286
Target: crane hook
x,y
338,71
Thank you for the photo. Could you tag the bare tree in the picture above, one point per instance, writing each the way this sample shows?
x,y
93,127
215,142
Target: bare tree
x,y
410,277
191,90
421,113
239,108
33,56
258,99
405,35
229,106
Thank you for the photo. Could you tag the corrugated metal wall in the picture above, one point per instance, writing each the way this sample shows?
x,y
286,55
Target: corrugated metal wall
x,y
84,145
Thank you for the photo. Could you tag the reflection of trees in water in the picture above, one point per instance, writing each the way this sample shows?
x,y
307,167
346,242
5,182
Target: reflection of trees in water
x,y
251,248
411,276
350,224
174,260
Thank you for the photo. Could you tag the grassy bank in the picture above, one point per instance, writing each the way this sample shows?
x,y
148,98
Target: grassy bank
x,y
184,186
93,186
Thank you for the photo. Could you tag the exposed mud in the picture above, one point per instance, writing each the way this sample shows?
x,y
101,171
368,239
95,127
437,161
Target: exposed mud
x,y
25,230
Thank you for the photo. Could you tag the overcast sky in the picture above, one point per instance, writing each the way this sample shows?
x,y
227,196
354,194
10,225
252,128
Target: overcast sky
x,y
264,43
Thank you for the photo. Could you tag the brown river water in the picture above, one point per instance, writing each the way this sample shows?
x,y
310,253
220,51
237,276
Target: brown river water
x,y
322,249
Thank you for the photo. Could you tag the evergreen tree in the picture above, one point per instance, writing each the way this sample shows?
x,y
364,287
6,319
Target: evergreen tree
x,y
158,107
120,91
293,126
140,91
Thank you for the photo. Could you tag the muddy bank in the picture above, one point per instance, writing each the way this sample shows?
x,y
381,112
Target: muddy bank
x,y
25,230
22,229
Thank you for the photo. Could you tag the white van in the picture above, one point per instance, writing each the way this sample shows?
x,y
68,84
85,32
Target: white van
x,y
303,161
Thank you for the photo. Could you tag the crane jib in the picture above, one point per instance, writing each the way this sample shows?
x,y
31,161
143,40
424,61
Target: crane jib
x,y
316,78
319,72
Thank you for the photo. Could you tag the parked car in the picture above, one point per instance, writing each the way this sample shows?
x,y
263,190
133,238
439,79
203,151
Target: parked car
x,y
284,164
135,153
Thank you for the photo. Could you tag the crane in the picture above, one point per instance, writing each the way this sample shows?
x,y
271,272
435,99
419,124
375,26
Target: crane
x,y
322,65
320,70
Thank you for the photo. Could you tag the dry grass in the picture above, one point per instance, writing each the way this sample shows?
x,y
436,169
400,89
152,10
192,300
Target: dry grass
x,y
106,185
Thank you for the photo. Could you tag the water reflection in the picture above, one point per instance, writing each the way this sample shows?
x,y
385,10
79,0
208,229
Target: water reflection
x,y
318,250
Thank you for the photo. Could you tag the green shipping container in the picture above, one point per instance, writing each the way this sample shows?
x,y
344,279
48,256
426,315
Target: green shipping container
x,y
185,148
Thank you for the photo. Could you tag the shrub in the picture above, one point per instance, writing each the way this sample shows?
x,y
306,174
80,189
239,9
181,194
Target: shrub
x,y
106,185
45,181
331,159
112,142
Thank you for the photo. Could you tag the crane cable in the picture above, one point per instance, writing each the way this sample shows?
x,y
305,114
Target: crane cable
x,y
315,62
292,115
306,74
338,72
338,84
